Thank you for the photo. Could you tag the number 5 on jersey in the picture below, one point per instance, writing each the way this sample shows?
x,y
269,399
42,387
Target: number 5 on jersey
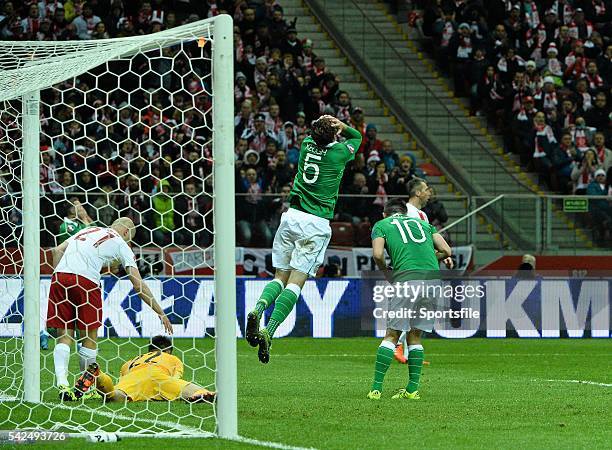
x,y
313,165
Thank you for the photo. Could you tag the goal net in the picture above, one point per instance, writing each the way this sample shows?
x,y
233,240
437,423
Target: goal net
x,y
90,131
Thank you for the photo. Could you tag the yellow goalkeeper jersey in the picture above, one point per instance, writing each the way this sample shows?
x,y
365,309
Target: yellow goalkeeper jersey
x,y
170,364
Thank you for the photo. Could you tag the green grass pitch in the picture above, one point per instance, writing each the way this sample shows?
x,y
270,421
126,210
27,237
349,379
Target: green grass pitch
x,y
476,393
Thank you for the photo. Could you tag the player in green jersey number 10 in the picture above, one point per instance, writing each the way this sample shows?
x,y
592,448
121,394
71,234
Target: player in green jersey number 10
x,y
304,232
415,248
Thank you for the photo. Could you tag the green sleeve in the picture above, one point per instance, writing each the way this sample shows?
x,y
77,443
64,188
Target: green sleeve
x,y
353,141
63,235
433,229
377,232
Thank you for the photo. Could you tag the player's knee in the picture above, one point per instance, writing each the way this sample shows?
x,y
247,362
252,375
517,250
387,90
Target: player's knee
x,y
392,335
282,277
414,336
298,278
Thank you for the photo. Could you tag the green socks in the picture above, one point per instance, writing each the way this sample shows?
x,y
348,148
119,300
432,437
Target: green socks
x,y
268,296
384,356
415,365
283,306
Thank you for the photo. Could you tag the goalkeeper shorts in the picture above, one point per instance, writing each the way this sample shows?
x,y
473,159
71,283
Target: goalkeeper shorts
x,y
300,242
74,302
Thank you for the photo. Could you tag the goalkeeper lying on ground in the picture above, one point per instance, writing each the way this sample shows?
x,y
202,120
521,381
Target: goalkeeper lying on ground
x,y
155,375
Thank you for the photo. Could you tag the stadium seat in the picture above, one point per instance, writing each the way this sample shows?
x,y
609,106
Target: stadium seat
x,y
363,234
342,234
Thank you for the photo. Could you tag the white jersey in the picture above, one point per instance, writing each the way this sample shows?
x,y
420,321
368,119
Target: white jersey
x,y
416,213
91,249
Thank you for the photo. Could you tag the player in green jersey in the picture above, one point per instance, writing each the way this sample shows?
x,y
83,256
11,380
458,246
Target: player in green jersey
x,y
304,232
415,249
76,219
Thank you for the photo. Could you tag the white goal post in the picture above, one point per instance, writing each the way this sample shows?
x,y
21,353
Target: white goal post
x,y
26,68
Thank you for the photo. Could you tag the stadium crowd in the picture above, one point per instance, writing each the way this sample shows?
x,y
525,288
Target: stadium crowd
x,y
541,71
124,161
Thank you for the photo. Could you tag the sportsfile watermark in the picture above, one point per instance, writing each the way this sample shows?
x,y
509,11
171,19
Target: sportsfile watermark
x,y
492,304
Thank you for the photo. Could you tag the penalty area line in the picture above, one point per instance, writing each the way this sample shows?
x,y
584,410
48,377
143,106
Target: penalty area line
x,y
594,383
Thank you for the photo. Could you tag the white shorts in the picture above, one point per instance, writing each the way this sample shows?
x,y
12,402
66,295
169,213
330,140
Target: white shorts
x,y
420,307
300,242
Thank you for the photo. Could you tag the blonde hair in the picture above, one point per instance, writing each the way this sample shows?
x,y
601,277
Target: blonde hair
x,y
125,222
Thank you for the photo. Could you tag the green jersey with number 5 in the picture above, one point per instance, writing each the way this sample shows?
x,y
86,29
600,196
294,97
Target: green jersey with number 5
x,y
320,169
409,243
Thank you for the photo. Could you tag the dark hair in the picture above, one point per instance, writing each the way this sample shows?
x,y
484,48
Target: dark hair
x,y
413,185
395,206
323,131
162,343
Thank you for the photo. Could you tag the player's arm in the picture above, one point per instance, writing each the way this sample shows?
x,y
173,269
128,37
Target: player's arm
x,y
443,250
82,213
146,295
178,369
378,254
353,136
58,252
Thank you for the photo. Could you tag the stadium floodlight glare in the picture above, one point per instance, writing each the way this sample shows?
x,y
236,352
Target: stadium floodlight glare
x,y
149,75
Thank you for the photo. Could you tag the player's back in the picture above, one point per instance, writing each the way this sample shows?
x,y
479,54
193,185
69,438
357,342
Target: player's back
x,y
320,170
93,248
409,243
155,360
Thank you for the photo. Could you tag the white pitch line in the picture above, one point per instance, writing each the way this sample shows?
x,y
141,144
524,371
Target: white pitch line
x,y
373,354
270,444
594,383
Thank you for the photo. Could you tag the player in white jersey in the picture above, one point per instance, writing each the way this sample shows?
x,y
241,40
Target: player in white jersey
x,y
75,296
419,194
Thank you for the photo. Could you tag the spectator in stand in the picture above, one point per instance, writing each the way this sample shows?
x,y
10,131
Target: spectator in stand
x,y
31,24
389,156
604,155
461,48
343,106
358,122
291,44
315,106
372,143
191,208
163,215
598,116
278,26
584,172
244,122
355,209
274,121
300,123
600,210
242,91
401,175
258,136
252,213
378,184
308,56
86,22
